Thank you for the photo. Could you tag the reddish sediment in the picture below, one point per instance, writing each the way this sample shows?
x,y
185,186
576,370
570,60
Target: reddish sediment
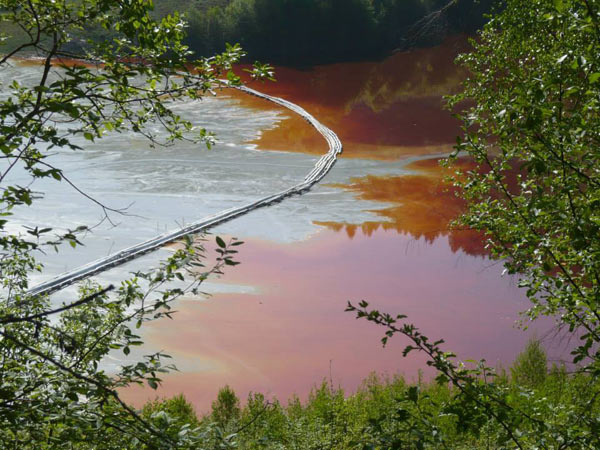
x,y
384,110
424,205
57,61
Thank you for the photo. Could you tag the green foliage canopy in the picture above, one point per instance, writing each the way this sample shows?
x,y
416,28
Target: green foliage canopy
x,y
534,132
390,413
529,370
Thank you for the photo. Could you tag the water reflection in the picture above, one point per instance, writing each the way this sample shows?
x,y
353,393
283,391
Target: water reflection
x,y
286,336
387,110
383,110
291,329
424,205
281,339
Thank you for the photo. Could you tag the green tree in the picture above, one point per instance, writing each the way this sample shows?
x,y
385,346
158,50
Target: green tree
x,y
177,407
533,133
54,392
531,366
301,32
226,408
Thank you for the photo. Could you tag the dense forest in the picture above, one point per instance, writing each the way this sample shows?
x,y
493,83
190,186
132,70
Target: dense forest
x,y
300,32
307,32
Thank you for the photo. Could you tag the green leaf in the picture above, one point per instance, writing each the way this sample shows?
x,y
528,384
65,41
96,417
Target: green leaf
x,y
412,393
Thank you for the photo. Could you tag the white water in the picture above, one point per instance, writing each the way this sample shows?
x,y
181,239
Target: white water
x,y
165,188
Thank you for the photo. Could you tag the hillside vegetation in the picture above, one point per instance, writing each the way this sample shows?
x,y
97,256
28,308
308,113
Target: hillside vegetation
x,y
298,32
305,32
390,413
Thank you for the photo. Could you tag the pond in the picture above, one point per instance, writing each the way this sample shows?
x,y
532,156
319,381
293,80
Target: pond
x,y
376,228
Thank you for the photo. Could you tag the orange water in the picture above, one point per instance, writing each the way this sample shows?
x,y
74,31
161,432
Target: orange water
x,y
292,332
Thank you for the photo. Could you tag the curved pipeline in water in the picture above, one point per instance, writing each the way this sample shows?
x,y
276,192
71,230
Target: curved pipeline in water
x,y
322,167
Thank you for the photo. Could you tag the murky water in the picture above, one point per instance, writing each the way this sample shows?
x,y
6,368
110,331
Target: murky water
x,y
375,229
163,188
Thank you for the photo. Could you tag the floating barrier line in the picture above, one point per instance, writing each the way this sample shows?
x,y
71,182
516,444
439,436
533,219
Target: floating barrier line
x,y
322,167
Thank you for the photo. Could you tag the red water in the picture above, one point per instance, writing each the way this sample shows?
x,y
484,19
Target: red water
x,y
281,339
425,204
293,332
384,110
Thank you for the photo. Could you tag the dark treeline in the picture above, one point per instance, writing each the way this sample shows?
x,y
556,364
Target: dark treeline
x,y
304,32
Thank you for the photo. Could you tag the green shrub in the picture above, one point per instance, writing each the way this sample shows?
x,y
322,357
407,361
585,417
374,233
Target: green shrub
x,y
531,366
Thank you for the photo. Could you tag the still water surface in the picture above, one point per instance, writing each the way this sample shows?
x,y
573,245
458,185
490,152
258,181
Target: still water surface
x,y
375,229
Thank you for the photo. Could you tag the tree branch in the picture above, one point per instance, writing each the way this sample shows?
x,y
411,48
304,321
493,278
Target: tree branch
x,y
83,301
